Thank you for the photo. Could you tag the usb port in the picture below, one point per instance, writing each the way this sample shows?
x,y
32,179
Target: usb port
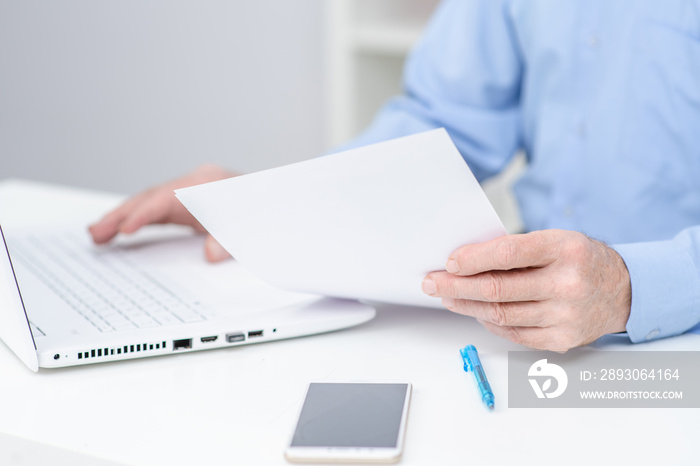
x,y
255,333
209,339
235,337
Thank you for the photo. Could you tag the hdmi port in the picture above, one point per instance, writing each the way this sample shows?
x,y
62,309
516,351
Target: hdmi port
x,y
209,339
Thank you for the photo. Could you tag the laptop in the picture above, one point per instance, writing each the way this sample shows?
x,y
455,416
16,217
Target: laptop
x,y
67,302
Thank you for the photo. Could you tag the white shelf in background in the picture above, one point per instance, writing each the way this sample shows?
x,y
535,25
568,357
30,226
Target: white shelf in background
x,y
380,39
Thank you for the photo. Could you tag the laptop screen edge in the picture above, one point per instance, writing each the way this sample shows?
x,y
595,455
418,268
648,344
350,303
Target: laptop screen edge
x,y
15,329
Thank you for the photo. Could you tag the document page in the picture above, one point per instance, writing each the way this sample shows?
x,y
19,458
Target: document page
x,y
367,223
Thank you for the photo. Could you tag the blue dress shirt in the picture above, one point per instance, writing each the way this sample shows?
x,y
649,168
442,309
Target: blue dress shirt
x,y
604,98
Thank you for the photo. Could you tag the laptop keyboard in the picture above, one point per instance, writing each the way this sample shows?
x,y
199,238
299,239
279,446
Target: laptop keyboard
x,y
104,285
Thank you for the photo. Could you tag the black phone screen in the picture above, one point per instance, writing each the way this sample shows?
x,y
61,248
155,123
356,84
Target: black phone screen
x,y
351,415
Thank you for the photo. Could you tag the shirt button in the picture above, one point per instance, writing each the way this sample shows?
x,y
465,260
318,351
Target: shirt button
x,y
652,334
568,211
593,41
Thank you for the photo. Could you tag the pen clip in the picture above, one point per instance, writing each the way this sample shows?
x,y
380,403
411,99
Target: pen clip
x,y
467,362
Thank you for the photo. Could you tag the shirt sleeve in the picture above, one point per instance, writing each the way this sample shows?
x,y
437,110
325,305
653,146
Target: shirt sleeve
x,y
665,279
464,75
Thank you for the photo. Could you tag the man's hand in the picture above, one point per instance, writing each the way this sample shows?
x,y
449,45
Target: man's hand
x,y
550,289
159,205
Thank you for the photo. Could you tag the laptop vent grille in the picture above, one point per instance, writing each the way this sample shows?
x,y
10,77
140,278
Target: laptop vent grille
x,y
119,350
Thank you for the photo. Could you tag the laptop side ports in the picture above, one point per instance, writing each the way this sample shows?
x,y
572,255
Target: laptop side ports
x,y
235,337
185,343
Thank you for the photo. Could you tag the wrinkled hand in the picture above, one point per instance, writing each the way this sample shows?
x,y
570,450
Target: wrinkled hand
x,y
550,289
159,205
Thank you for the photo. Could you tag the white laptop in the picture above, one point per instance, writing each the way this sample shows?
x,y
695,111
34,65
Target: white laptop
x,y
66,302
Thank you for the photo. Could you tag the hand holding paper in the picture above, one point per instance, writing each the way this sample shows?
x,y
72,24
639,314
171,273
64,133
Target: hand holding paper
x,y
368,223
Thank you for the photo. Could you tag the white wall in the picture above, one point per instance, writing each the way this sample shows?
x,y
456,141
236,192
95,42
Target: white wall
x,y
118,95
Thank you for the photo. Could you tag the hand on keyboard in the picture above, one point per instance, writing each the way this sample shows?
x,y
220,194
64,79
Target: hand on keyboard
x,y
159,205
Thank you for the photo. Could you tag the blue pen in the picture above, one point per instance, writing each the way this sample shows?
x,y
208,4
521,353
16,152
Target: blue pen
x,y
472,363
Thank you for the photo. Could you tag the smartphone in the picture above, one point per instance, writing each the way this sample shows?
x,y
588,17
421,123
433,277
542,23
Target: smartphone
x,y
351,423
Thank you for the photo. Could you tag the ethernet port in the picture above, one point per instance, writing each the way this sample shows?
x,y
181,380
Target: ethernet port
x,y
182,344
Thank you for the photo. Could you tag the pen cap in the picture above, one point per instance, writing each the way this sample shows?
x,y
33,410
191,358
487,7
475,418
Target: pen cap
x,y
470,357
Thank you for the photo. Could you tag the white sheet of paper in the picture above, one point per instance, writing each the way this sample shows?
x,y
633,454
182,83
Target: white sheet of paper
x,y
368,223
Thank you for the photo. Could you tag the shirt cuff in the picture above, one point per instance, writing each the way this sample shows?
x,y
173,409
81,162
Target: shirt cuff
x,y
665,289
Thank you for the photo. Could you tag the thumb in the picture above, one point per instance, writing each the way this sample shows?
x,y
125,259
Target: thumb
x,y
213,251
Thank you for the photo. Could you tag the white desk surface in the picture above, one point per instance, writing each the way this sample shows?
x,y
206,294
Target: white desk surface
x,y
238,405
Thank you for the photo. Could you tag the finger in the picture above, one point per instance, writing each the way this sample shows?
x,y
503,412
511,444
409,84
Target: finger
x,y
535,249
532,337
518,314
109,225
104,230
154,209
500,286
214,251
